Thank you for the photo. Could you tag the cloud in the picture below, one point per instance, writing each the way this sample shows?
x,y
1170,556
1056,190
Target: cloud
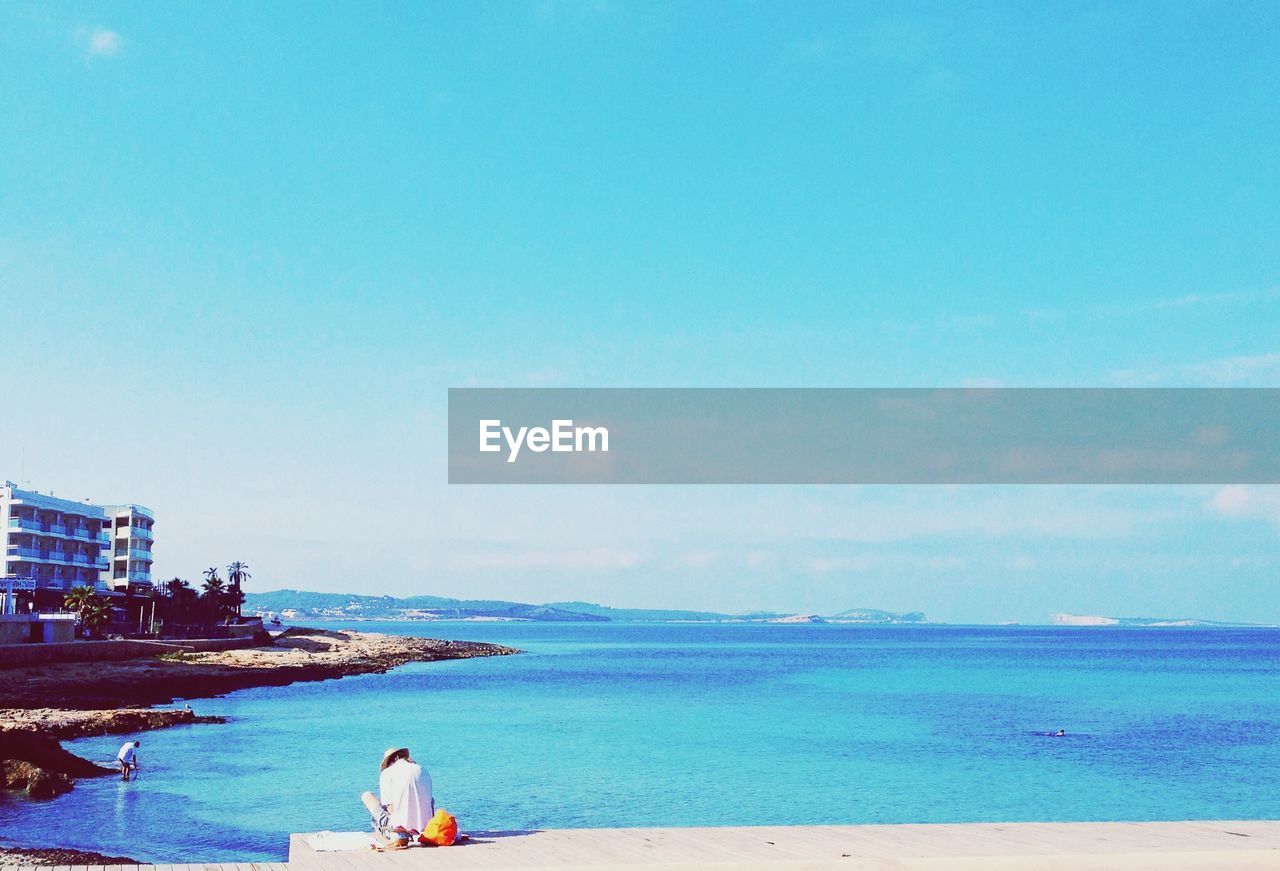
x,y
1187,301
593,560
869,562
1251,370
100,42
816,46
1247,503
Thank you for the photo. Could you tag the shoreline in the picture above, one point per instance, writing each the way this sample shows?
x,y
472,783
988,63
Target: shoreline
x,y
42,705
50,857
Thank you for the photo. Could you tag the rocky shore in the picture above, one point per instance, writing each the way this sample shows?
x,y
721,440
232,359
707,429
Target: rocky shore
x,y
55,856
43,704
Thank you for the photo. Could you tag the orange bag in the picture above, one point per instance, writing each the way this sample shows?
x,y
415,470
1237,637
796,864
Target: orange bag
x,y
441,830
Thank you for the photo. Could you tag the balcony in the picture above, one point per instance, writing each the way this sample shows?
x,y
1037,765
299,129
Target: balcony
x,y
38,554
78,533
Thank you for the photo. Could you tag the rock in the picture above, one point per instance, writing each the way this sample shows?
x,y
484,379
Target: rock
x,y
39,783
43,751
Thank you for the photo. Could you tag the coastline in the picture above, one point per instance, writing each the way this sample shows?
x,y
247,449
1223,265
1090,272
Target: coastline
x,y
50,857
42,705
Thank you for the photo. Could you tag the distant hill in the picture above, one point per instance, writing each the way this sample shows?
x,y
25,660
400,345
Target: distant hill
x,y
1094,620
649,615
872,615
303,604
294,605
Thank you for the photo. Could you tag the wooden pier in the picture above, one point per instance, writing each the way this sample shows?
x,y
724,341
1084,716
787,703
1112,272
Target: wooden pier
x,y
1171,846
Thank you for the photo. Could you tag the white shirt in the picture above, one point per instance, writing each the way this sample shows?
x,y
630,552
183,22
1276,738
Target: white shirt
x,y
127,753
406,789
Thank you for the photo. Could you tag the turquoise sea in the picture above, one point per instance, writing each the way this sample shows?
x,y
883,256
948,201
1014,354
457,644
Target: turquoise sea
x,y
666,725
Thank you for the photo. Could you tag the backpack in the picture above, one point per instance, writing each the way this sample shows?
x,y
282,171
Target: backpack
x,y
441,830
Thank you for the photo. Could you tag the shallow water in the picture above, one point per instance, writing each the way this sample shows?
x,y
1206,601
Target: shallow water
x,y
616,725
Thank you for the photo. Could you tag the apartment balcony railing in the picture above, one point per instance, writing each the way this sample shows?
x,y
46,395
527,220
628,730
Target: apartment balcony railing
x,y
81,533
37,553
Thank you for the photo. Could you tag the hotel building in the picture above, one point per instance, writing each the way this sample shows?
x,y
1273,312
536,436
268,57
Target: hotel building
x,y
130,558
51,545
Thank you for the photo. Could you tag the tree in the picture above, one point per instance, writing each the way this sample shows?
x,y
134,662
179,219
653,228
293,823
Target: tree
x,y
210,575
179,600
214,596
237,574
97,616
91,609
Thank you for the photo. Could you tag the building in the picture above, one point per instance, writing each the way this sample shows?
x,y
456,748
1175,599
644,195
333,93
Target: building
x,y
130,557
51,545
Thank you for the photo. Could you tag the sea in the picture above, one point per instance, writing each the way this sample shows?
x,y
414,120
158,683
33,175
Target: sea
x,y
606,724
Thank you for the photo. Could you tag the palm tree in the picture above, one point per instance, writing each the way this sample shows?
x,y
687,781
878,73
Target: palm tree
x,y
214,595
98,614
91,609
79,599
211,574
237,573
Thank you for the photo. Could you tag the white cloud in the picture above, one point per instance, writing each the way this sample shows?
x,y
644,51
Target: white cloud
x,y
813,47
1249,503
1252,370
594,560
100,42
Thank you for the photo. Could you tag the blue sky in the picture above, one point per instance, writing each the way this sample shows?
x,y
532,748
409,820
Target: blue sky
x,y
245,249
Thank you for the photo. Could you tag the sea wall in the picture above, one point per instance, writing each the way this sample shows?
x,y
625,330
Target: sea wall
x,y
105,651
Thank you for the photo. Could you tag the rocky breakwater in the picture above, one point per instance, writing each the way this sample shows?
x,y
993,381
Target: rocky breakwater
x,y
40,705
33,759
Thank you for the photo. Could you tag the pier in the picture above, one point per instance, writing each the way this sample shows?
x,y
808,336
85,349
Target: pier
x,y
1169,846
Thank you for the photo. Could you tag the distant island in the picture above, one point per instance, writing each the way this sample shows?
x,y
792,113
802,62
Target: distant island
x,y
1094,620
294,605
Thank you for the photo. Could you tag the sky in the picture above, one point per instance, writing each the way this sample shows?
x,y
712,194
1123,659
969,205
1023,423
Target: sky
x,y
246,248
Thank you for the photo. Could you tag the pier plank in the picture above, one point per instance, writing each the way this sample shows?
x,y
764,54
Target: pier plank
x,y
915,847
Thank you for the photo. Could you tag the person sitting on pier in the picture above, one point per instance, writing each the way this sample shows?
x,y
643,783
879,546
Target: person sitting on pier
x,y
405,804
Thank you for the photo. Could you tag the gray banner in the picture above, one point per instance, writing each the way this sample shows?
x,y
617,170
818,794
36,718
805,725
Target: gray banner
x,y
864,436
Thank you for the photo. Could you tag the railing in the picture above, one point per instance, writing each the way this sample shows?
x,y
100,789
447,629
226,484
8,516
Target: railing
x,y
140,554
81,533
59,556
36,553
